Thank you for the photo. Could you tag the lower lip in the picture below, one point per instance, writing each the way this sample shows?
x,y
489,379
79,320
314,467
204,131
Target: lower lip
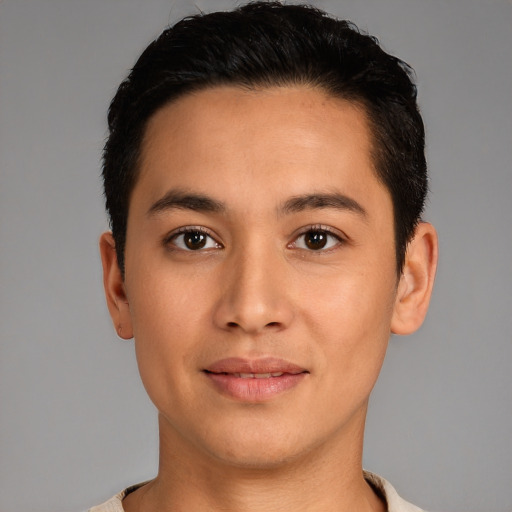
x,y
252,389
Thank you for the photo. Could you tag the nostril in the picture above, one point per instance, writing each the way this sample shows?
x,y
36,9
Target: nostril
x,y
232,325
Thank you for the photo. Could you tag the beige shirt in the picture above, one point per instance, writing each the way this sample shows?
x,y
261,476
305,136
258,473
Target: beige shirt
x,y
382,487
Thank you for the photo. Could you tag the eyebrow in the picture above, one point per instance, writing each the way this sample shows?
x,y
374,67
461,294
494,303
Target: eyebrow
x,y
183,200
322,201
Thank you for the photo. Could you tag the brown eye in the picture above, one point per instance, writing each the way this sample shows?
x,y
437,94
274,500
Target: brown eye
x,y
193,240
317,240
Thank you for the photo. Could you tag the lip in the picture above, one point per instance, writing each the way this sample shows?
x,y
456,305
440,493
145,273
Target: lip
x,y
254,380
261,365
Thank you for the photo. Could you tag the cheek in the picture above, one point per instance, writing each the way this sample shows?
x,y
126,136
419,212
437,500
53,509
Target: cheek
x,y
351,301
163,302
165,314
351,317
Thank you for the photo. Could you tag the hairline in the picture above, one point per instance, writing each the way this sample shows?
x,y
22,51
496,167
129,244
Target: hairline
x,y
357,101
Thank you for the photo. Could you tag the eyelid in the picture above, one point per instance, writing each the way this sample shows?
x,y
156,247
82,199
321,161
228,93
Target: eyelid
x,y
336,233
169,237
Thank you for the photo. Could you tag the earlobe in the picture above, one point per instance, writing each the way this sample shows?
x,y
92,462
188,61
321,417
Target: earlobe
x,y
416,282
113,284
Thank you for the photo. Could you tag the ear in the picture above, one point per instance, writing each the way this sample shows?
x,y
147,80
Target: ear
x,y
113,283
417,280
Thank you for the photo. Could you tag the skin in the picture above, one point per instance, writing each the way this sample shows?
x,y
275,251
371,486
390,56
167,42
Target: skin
x,y
256,289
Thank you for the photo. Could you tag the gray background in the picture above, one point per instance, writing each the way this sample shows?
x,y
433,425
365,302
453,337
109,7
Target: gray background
x,y
75,424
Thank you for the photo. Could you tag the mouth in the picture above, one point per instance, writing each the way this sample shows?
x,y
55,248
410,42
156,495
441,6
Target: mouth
x,y
254,380
252,375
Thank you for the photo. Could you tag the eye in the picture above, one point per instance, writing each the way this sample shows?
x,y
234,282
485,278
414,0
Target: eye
x,y
317,239
192,239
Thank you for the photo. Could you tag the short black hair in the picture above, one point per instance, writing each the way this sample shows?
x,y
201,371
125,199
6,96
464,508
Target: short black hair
x,y
268,44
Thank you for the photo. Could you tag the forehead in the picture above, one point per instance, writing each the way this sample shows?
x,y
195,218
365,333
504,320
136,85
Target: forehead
x,y
309,115
229,141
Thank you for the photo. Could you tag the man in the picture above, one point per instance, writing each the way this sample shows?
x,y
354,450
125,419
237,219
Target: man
x,y
265,177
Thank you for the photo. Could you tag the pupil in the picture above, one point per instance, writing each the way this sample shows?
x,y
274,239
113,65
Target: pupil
x,y
195,240
316,240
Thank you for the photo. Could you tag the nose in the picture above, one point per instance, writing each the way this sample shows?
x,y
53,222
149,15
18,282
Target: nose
x,y
254,294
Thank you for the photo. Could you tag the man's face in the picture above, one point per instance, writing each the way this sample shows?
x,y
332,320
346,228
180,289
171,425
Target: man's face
x,y
260,272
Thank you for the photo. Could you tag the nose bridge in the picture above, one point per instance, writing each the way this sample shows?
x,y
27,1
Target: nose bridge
x,y
254,295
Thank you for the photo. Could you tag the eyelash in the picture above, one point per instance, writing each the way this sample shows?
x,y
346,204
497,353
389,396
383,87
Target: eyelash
x,y
170,240
329,232
319,229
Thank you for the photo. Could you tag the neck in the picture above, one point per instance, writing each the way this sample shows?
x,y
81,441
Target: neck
x,y
326,479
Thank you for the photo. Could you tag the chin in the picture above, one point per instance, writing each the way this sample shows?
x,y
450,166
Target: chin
x,y
257,458
264,449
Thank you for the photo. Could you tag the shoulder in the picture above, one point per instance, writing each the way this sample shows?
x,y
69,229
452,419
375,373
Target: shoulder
x,y
387,491
394,502
114,504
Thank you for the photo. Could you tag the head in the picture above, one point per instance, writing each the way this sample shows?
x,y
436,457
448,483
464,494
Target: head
x,y
264,176
264,45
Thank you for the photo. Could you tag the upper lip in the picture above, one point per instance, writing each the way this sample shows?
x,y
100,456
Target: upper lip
x,y
260,365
